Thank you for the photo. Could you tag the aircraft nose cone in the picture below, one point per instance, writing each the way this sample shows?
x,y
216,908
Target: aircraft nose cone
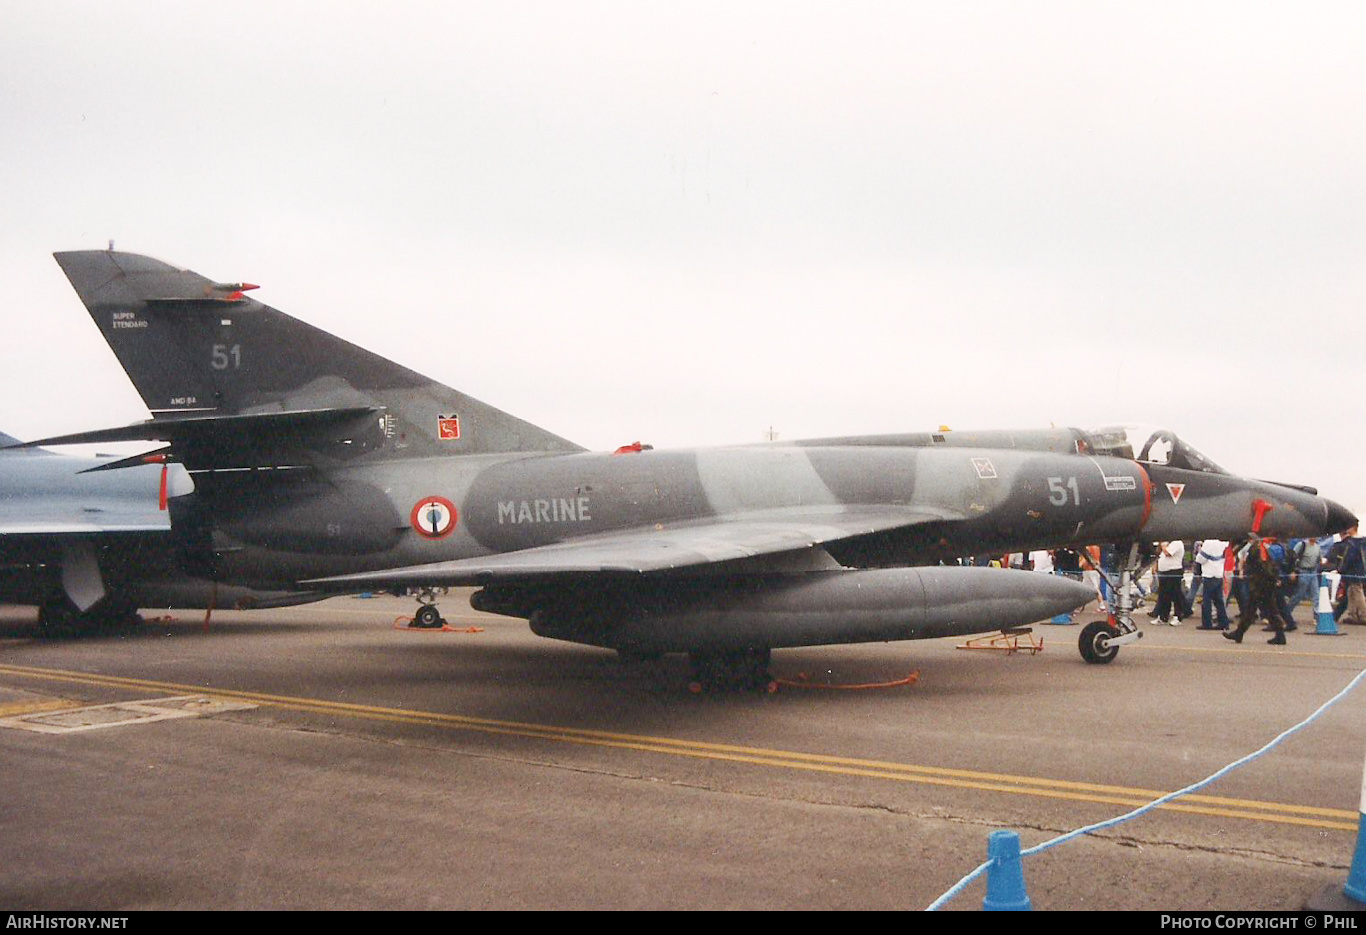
x,y
1339,517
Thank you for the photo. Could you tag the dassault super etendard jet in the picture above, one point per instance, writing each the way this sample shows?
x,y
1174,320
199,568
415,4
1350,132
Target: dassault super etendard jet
x,y
320,466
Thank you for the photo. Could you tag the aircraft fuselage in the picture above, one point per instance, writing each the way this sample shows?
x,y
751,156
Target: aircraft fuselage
x,y
272,532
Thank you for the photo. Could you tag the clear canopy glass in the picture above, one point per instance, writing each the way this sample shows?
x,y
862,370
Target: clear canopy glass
x,y
1149,444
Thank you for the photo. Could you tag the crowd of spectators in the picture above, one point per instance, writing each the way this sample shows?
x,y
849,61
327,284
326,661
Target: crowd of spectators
x,y
1268,579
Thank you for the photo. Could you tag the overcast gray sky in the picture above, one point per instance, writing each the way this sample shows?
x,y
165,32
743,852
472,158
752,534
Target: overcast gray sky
x,y
685,222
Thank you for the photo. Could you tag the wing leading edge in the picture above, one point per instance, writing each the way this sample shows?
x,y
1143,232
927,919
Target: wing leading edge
x,y
645,551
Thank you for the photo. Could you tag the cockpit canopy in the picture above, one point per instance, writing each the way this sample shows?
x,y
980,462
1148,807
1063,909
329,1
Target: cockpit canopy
x,y
1149,444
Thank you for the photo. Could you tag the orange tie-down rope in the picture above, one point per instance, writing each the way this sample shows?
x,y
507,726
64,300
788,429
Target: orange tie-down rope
x,y
399,624
803,681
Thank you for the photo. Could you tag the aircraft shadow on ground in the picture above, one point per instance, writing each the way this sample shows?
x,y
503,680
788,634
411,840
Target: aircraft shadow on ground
x,y
593,688
527,678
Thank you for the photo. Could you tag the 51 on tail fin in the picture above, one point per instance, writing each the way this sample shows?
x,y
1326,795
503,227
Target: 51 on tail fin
x,y
192,345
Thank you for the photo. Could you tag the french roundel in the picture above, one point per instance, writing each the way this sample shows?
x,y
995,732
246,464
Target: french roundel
x,y
434,517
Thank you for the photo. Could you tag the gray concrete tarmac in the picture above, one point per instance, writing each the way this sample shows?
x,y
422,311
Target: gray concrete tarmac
x,y
350,764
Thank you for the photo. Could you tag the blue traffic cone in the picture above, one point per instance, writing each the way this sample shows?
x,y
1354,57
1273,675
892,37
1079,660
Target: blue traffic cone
x,y
1356,877
1335,898
1323,613
1005,876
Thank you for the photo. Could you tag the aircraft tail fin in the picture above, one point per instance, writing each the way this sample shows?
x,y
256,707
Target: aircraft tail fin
x,y
195,346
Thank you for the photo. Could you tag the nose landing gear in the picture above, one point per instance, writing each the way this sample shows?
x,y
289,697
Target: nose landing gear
x,y
1100,641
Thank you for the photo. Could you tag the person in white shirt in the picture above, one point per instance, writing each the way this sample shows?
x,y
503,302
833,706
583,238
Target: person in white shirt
x,y
1304,578
1171,606
1209,555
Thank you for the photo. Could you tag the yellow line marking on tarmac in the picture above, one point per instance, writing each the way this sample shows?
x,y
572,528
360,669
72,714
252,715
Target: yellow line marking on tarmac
x,y
1309,816
20,708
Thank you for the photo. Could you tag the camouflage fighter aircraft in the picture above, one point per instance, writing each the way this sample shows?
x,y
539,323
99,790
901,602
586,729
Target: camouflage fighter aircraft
x,y
321,466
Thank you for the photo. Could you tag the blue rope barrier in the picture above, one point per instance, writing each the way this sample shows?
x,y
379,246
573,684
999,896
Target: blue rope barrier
x,y
959,886
1155,803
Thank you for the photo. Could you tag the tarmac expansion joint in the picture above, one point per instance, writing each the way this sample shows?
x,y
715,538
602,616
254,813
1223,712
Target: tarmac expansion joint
x,y
1137,843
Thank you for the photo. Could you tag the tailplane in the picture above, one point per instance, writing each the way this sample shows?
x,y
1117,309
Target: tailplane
x,y
195,347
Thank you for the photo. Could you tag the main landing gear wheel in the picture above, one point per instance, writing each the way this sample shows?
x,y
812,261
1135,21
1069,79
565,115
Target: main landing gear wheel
x,y
428,618
58,618
743,670
114,614
1095,643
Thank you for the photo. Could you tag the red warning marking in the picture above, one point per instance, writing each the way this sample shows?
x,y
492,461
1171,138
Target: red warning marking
x,y
434,517
1147,495
1259,510
1176,490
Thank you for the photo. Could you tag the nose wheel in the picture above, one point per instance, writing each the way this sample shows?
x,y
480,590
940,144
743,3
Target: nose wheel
x,y
1097,642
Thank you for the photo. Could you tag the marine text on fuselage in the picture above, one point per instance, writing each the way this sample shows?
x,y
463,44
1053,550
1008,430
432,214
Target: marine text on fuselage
x,y
549,510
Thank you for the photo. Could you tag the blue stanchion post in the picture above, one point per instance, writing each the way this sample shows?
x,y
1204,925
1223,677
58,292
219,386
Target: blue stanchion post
x,y
1356,877
1005,877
